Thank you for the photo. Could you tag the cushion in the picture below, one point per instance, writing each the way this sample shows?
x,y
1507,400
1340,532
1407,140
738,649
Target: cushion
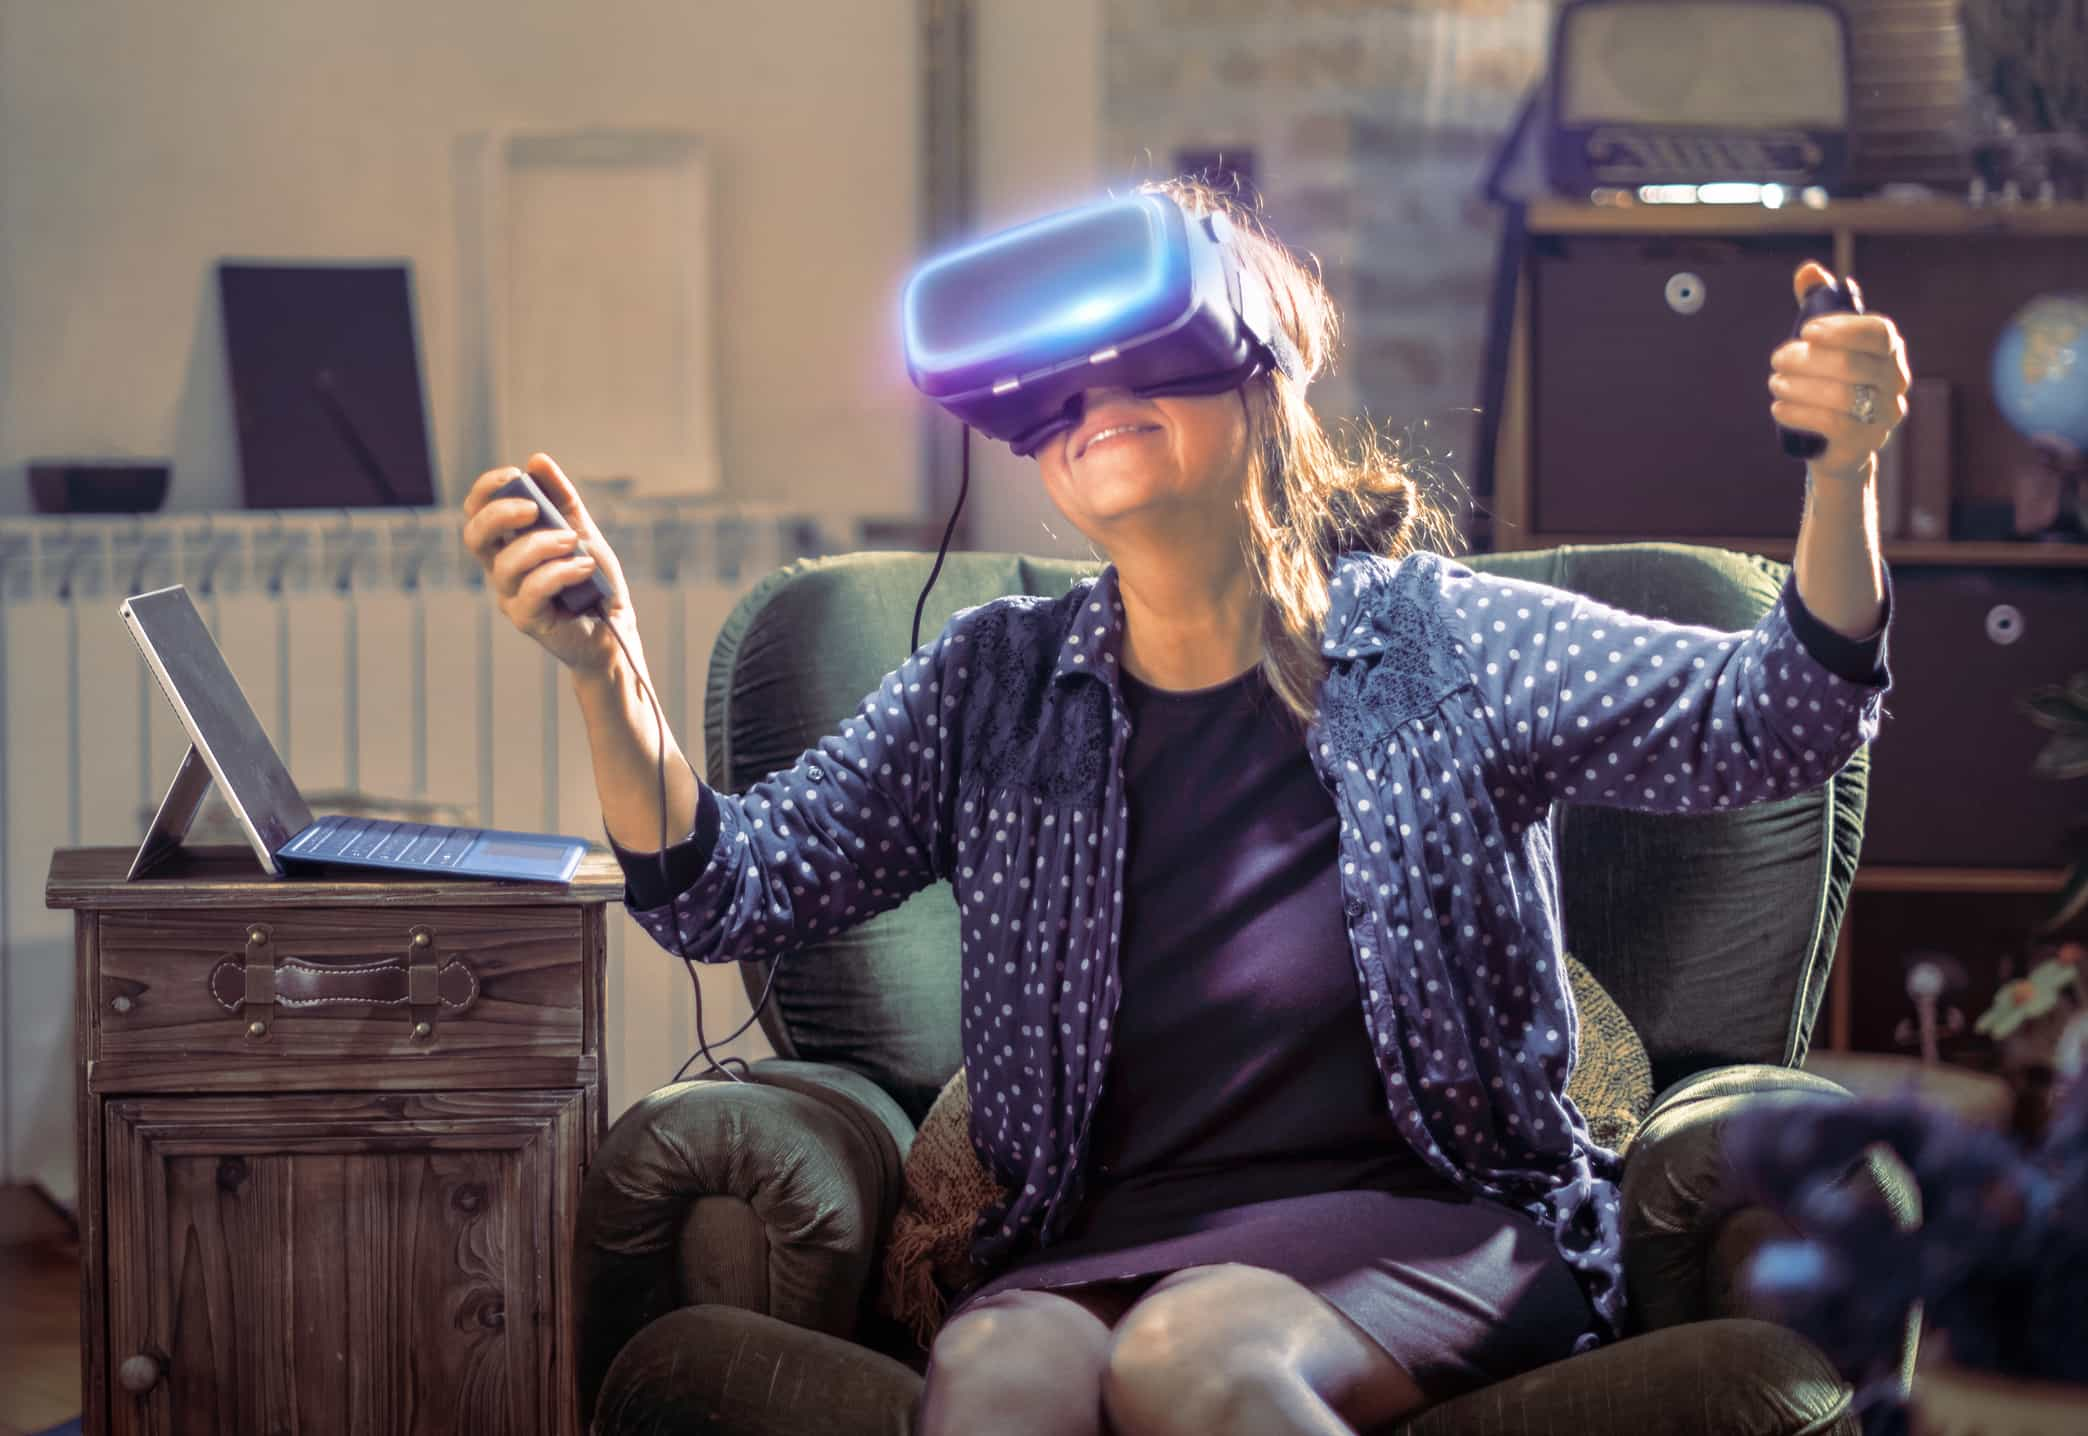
x,y
928,1254
1612,1078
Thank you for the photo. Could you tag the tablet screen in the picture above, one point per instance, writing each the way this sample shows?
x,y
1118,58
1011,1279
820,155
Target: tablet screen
x,y
196,680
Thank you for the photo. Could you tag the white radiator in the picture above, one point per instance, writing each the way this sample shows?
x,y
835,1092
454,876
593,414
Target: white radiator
x,y
377,662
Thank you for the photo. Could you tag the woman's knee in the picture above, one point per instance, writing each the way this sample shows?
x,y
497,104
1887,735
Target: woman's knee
x,y
1020,1340
1148,1390
1175,1364
1206,1350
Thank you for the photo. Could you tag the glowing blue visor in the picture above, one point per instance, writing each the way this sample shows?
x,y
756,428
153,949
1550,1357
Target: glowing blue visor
x,y
1008,331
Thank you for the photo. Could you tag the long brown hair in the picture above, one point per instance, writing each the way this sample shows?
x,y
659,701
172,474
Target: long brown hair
x,y
1308,498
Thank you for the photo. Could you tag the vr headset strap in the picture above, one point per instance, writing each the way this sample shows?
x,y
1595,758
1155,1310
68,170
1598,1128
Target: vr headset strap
x,y
1250,297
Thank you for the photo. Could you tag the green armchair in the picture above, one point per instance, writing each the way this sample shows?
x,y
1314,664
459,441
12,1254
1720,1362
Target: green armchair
x,y
730,1235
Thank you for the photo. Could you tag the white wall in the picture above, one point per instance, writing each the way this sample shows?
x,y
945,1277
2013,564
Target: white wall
x,y
141,141
1038,104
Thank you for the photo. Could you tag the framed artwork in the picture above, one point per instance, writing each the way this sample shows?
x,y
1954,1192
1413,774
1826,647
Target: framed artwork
x,y
589,304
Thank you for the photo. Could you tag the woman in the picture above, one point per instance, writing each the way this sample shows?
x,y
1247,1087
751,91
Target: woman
x,y
1277,762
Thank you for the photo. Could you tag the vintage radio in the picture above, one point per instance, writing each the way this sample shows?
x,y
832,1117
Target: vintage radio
x,y
1647,92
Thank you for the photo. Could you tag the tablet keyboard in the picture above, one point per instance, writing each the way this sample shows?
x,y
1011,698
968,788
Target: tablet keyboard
x,y
418,844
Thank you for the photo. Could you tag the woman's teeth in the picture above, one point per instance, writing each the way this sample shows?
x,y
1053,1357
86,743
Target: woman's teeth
x,y
1112,431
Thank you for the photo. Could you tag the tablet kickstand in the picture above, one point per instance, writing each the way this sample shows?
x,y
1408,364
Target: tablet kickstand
x,y
176,812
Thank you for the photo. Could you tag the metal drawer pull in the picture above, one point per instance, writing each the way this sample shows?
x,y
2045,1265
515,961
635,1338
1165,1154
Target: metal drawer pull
x,y
139,1374
257,982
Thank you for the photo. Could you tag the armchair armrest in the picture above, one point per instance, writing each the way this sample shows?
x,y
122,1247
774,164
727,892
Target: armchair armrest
x,y
773,1194
1688,1230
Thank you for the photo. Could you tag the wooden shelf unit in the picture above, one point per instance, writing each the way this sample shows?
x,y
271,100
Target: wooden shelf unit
x,y
1842,223
1988,882
1856,216
1959,880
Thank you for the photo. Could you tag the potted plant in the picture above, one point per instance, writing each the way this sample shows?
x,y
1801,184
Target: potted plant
x,y
2027,1019
2062,710
1997,1264
2028,1014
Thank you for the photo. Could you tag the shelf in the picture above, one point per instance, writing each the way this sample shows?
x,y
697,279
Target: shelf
x,y
1858,216
1909,250
1959,880
2004,555
1900,553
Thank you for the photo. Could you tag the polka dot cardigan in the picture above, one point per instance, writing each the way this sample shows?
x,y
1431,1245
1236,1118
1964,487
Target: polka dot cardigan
x,y
1459,706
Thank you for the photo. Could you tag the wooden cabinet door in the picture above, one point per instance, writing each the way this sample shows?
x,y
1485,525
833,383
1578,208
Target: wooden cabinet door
x,y
353,1263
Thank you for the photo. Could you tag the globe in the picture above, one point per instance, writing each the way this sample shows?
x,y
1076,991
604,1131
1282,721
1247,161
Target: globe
x,y
2040,371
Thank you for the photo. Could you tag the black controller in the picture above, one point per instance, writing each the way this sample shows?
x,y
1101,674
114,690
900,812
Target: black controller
x,y
589,594
1828,298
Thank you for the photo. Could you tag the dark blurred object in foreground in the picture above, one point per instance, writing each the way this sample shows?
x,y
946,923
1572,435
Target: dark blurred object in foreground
x,y
1998,1262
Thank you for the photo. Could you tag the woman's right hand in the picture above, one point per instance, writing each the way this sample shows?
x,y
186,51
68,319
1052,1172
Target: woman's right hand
x,y
525,573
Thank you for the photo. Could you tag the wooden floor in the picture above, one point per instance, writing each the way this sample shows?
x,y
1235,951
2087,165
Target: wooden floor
x,y
39,1314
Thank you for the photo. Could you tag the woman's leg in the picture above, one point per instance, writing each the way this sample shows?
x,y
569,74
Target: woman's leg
x,y
1028,1363
1222,1349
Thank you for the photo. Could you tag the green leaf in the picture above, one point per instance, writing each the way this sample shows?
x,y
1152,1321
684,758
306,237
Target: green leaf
x,y
2051,975
2064,756
2073,898
2054,708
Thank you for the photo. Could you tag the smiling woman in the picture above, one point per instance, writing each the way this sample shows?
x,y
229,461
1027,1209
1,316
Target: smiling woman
x,y
1224,512
1265,1185
1156,484
1265,1011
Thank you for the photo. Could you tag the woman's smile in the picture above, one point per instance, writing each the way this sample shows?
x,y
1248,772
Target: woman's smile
x,y
1133,471
1114,433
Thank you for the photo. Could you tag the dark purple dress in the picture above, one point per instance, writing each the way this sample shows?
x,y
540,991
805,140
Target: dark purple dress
x,y
1242,1117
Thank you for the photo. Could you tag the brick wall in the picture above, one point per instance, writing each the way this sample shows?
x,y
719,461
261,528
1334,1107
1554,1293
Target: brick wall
x,y
1370,123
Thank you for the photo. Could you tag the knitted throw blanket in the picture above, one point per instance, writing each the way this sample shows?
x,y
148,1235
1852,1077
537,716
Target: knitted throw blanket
x,y
927,1258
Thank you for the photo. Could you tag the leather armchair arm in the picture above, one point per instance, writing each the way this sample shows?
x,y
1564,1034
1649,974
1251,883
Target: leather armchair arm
x,y
1688,1230
773,1194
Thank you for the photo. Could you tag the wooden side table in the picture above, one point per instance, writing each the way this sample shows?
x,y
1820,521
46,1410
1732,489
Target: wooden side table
x,y
331,1138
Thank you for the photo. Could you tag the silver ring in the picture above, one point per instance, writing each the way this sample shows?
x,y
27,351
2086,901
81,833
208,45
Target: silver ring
x,y
1866,410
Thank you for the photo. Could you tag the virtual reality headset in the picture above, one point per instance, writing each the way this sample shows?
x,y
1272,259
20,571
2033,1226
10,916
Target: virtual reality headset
x,y
1007,332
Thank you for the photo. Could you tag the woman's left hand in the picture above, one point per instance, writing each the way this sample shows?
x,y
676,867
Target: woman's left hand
x,y
1823,380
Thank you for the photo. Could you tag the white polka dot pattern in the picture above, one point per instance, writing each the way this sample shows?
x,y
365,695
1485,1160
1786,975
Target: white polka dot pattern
x,y
1524,694
849,831
1597,706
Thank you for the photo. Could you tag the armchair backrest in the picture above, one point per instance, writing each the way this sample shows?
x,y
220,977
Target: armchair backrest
x,y
1714,933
